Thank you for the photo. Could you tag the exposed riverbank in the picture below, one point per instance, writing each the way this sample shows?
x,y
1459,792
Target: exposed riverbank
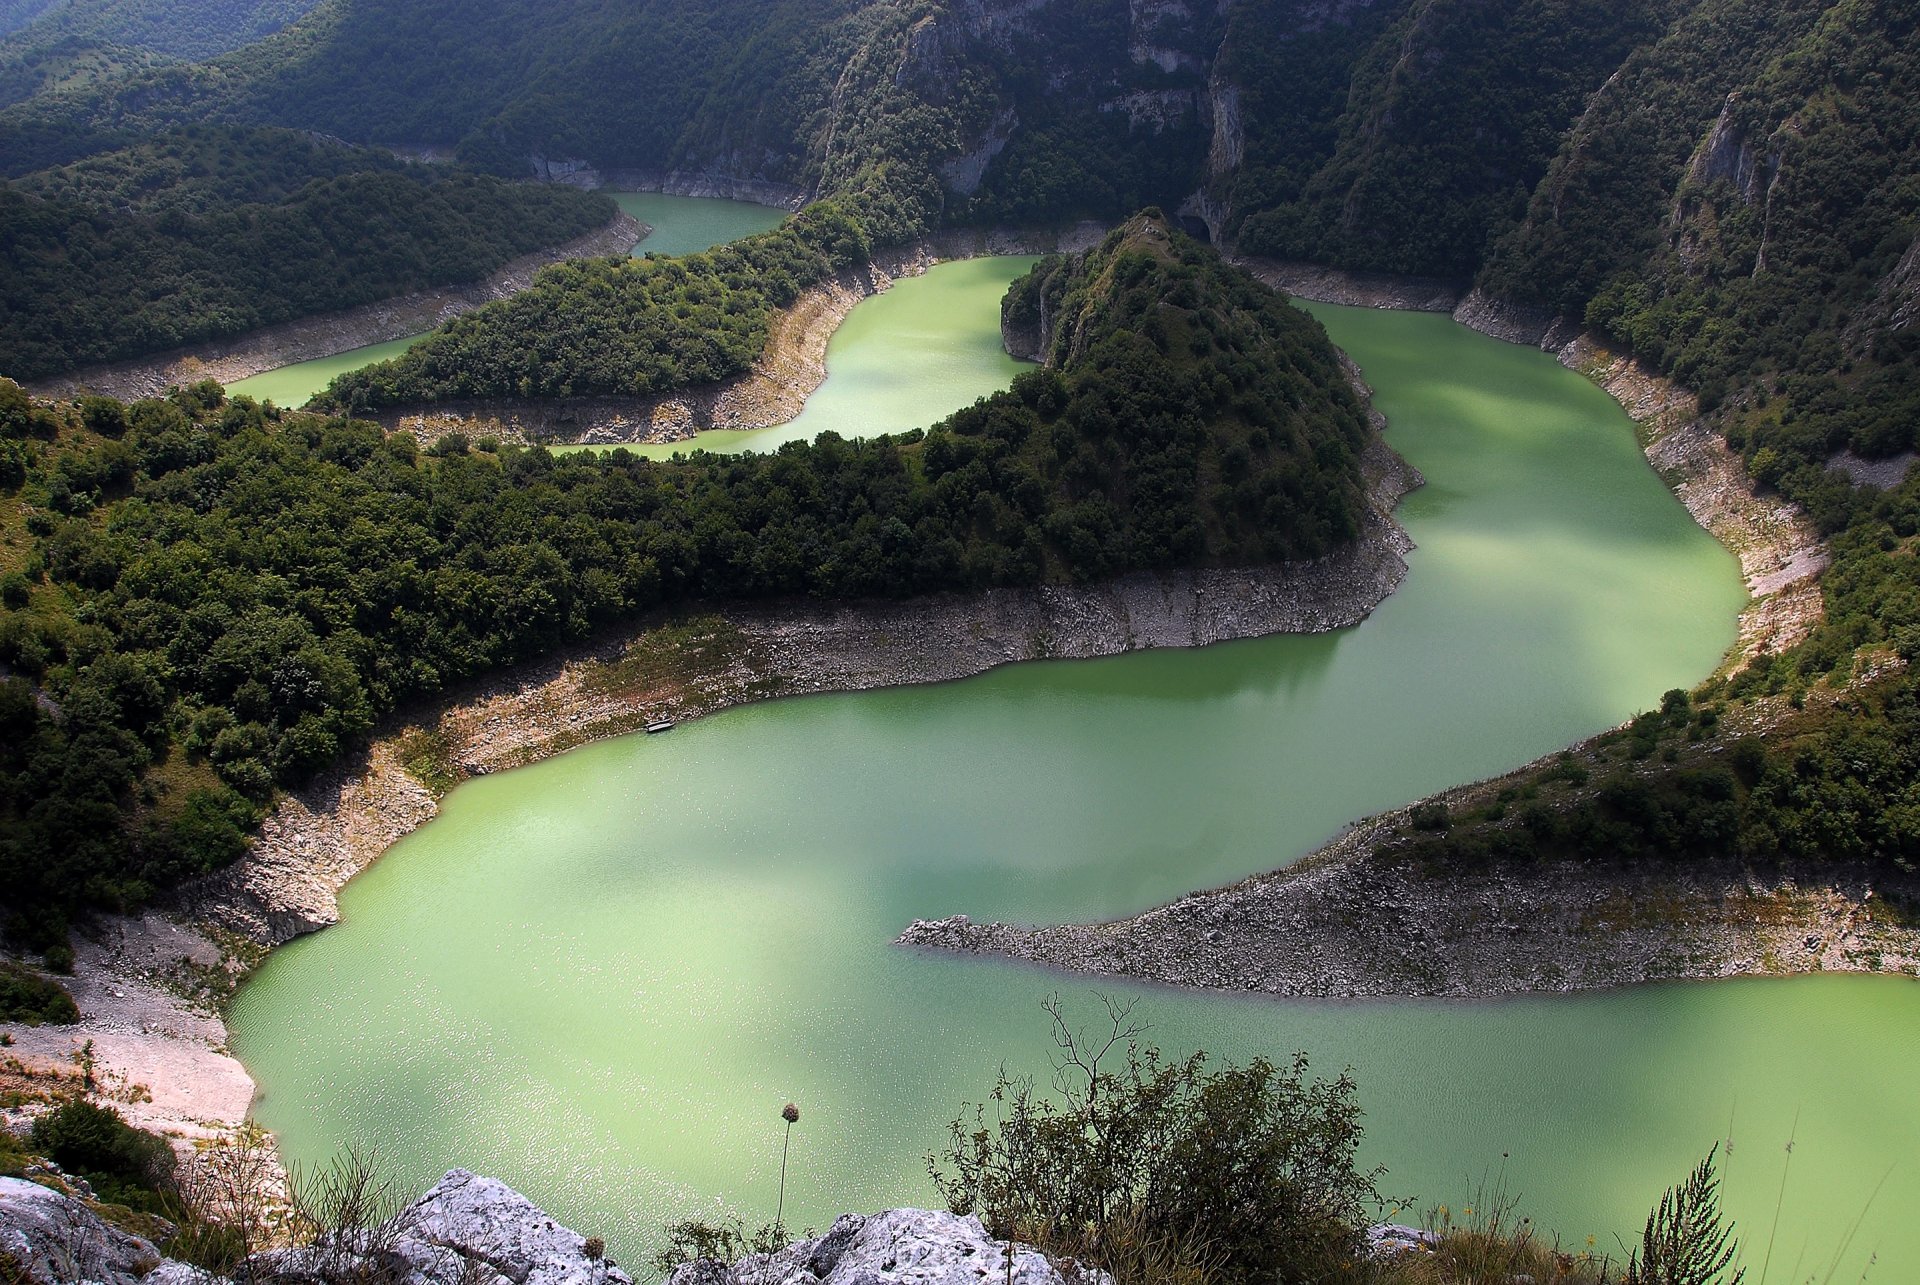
x,y
772,391
307,338
1355,919
149,988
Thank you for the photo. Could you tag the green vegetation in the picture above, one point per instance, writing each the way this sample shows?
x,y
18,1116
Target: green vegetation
x,y
618,326
125,1165
181,28
1776,290
206,233
220,599
1164,1170
27,996
1181,1173
65,64
1451,115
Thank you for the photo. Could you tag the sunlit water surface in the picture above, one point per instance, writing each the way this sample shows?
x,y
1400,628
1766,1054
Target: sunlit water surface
x,y
599,977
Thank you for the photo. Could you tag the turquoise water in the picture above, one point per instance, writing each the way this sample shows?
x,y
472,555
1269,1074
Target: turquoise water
x,y
599,977
901,360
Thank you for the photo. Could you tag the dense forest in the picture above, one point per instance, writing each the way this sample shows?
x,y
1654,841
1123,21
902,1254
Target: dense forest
x,y
209,232
620,326
216,599
181,28
1533,145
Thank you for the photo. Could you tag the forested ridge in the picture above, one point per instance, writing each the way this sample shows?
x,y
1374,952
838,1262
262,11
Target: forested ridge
x,y
180,28
207,600
620,325
211,232
1758,245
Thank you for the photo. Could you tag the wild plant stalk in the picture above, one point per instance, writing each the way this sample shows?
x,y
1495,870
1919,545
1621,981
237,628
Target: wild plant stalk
x,y
791,1114
1780,1201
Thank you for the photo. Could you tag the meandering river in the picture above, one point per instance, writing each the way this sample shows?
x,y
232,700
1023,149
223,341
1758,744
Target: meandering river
x,y
600,977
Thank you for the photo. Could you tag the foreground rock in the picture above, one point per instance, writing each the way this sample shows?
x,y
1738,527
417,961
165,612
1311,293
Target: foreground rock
x,y
898,1247
50,1239
467,1230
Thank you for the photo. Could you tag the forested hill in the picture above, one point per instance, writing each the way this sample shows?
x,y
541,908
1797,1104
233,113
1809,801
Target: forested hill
x,y
181,28
1538,147
204,232
206,601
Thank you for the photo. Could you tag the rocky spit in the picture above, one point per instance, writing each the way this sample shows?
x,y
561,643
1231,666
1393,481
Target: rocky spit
x,y
471,1230
307,338
1354,921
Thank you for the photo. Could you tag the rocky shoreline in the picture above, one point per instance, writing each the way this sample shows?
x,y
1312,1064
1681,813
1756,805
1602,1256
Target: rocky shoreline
x,y
700,661
307,338
1352,920
150,987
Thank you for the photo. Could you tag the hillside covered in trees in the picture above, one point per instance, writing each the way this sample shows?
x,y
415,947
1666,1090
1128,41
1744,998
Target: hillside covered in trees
x,y
204,233
213,600
1723,186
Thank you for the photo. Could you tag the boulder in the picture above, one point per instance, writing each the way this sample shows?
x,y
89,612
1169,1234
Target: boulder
x,y
467,1230
898,1247
47,1238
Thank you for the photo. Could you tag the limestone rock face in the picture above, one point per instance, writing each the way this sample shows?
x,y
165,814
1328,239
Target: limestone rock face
x,y
898,1247
54,1239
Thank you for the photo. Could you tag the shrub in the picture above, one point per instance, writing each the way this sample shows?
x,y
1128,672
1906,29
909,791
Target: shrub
x,y
1249,1168
26,996
1685,1241
125,1165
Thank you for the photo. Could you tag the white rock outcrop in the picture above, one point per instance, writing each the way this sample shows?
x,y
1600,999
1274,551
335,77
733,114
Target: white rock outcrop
x,y
467,1230
898,1247
50,1239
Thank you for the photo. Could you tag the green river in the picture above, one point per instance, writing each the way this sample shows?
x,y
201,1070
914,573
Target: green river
x,y
681,225
598,978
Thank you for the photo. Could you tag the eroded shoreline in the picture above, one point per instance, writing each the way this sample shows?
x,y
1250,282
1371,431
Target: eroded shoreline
x,y
772,391
1352,920
150,996
150,987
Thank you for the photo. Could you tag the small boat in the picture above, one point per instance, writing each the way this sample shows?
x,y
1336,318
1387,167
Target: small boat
x,y
663,725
